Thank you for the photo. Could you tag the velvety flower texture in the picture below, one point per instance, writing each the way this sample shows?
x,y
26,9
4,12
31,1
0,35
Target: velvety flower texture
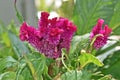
x,y
98,29
51,35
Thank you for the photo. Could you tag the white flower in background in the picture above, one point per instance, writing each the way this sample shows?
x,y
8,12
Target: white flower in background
x,y
52,14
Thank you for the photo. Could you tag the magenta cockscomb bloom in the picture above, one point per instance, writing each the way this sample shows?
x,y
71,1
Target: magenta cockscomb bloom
x,y
51,35
104,32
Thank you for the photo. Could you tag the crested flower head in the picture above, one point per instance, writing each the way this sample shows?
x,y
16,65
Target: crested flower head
x,y
98,29
51,35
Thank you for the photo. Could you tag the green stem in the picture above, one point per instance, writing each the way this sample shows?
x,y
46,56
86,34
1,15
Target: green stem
x,y
93,40
19,16
64,62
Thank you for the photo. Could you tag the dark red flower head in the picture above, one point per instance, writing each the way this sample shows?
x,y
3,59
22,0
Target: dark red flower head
x,y
51,35
105,32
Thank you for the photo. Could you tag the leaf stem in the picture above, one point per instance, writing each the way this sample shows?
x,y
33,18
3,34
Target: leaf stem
x,y
93,40
19,16
63,54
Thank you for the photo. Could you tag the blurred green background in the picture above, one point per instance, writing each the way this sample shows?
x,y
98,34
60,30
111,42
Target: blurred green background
x,y
84,13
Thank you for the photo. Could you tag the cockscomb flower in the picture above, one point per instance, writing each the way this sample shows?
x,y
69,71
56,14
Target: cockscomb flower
x,y
104,32
51,35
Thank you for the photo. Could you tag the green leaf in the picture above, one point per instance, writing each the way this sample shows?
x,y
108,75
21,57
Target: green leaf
x,y
39,62
18,46
6,39
86,58
108,47
75,75
79,42
6,63
115,21
87,12
21,67
26,74
71,75
34,65
9,76
107,77
6,51
112,63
